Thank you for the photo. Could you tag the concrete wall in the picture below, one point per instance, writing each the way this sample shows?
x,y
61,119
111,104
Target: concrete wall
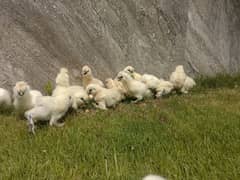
x,y
40,36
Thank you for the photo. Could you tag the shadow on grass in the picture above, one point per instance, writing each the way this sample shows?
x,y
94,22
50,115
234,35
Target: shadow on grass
x,y
7,110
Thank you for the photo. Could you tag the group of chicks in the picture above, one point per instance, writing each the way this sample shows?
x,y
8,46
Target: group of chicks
x,y
128,84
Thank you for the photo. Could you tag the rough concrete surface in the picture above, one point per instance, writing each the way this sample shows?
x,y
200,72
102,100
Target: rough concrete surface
x,y
37,37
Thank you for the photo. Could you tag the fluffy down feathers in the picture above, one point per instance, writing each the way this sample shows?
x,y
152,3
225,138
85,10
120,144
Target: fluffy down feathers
x,y
150,80
62,82
110,83
103,97
79,96
115,84
48,108
62,78
164,88
87,77
188,84
77,93
178,77
135,88
24,97
5,98
153,177
131,71
181,81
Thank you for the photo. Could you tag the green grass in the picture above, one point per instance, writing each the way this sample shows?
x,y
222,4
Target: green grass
x,y
195,136
218,81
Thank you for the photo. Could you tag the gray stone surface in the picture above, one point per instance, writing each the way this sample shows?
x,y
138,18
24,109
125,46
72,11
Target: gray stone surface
x,y
40,36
